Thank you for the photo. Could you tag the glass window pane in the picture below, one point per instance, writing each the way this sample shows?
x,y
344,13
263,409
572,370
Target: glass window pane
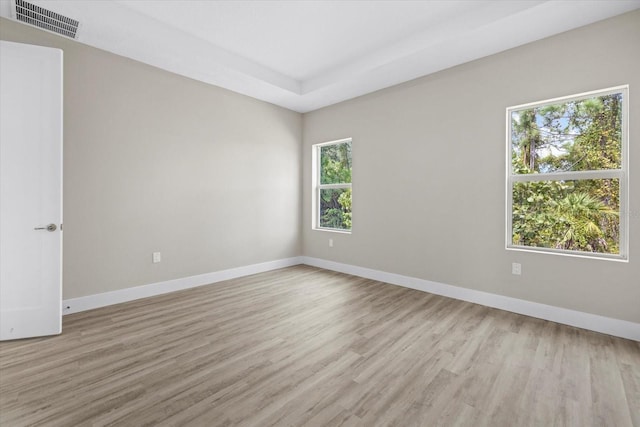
x,y
581,215
335,208
575,135
335,163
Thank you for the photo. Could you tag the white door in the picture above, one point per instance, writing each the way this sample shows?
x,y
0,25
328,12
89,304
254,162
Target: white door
x,y
30,191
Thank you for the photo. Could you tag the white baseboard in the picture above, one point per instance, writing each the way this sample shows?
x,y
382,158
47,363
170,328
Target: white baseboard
x,y
75,305
593,322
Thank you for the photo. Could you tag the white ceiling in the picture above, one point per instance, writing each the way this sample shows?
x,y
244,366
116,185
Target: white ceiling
x,y
305,55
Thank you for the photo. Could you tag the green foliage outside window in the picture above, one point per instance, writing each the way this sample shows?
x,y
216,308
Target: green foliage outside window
x,y
572,214
335,203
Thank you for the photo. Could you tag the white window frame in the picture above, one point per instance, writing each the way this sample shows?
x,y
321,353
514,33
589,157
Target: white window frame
x,y
316,168
621,174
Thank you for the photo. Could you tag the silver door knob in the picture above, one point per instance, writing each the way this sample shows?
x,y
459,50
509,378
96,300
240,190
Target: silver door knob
x,y
50,227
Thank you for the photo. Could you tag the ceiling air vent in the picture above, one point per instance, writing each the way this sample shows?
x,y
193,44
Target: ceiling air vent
x,y
46,19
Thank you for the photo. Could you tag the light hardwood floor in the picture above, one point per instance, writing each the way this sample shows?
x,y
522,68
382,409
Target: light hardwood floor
x,y
304,346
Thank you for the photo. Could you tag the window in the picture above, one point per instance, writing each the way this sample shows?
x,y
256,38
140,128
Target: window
x,y
332,185
567,175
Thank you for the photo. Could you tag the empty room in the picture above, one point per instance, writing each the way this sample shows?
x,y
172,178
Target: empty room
x,y
319,213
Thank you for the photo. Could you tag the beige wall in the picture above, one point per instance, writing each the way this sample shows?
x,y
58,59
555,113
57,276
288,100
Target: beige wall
x,y
157,162
429,172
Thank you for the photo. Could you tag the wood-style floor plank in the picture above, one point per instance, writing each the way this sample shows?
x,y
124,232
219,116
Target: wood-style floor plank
x,y
304,346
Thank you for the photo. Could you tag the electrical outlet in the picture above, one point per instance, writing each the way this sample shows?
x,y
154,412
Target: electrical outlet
x,y
157,257
516,268
330,243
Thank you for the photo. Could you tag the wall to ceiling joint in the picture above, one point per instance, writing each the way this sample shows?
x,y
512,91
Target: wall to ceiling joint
x,y
216,180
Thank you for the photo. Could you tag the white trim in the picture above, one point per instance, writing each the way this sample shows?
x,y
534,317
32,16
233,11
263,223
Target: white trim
x,y
624,183
621,174
332,230
569,175
334,186
565,252
593,322
89,302
316,169
335,142
576,97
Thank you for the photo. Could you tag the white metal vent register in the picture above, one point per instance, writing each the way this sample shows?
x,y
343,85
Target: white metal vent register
x,y
46,19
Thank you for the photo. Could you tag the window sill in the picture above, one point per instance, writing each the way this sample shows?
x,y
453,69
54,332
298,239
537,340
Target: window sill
x,y
332,230
574,254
